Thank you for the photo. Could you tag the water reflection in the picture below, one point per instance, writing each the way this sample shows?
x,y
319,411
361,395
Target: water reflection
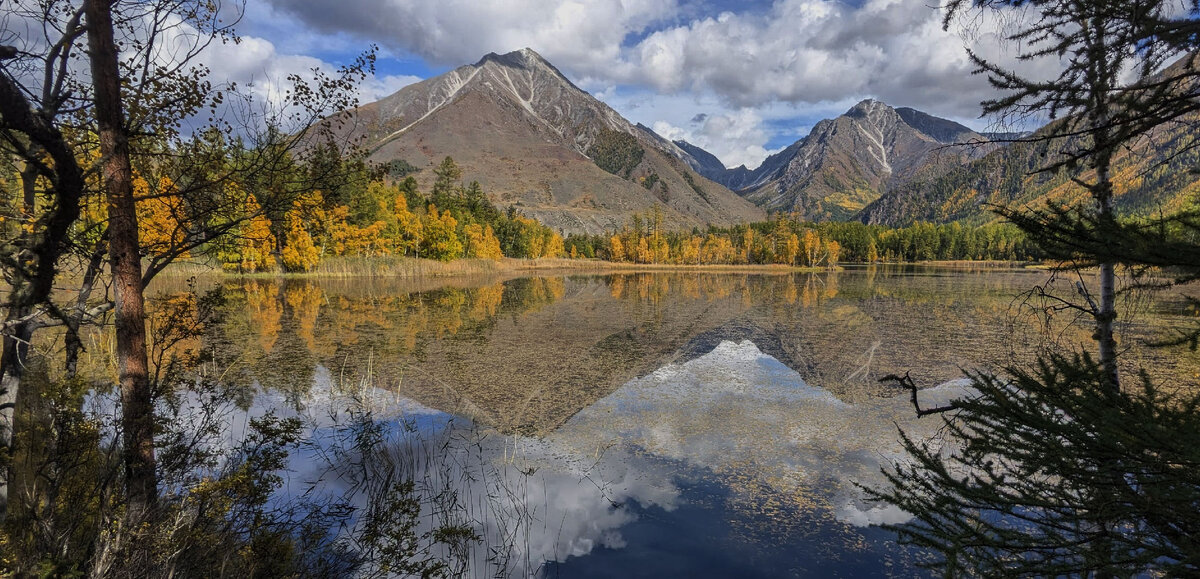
x,y
733,413
524,355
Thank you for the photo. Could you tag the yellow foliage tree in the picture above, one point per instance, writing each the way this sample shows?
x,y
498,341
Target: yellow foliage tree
x,y
717,249
299,253
338,230
369,241
482,242
691,251
616,248
832,250
440,241
553,244
408,232
643,252
322,225
159,213
256,242
791,249
535,239
810,246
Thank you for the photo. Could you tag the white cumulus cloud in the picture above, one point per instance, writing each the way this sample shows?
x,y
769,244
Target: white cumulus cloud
x,y
736,138
584,36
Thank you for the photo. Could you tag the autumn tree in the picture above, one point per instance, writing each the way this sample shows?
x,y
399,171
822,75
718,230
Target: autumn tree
x,y
791,251
833,250
552,244
481,242
255,242
717,249
440,241
691,251
161,220
125,100
408,231
616,249
810,247
298,253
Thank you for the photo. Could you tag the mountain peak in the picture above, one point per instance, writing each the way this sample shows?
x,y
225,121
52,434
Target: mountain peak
x,y
866,107
521,128
704,163
524,58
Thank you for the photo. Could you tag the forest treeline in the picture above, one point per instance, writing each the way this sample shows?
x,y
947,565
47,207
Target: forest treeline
x,y
361,210
787,240
345,207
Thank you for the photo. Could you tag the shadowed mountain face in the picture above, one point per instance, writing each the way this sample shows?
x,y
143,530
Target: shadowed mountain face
x,y
531,138
847,162
703,162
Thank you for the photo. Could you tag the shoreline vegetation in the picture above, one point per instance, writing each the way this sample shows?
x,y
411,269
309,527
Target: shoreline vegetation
x,y
421,268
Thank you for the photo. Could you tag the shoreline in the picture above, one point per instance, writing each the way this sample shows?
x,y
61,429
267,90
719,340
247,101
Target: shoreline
x,y
414,268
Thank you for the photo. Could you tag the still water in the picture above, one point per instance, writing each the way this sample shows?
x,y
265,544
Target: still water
x,y
650,424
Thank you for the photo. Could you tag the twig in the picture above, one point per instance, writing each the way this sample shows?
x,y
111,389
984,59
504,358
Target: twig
x,y
907,382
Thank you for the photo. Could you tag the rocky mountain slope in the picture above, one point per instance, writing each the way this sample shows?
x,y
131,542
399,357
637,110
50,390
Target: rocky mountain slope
x,y
535,141
1154,176
850,161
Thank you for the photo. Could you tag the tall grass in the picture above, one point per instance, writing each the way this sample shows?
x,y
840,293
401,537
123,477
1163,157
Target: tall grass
x,y
396,267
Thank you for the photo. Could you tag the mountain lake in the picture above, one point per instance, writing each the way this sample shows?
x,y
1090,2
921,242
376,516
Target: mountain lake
x,y
637,424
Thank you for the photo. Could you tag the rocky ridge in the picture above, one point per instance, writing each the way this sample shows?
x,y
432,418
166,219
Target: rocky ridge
x,y
517,125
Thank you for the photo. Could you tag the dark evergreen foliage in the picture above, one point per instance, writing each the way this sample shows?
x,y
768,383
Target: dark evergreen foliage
x,y
1048,473
399,168
616,152
1065,469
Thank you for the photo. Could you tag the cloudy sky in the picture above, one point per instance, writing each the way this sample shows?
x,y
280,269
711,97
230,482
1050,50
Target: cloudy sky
x,y
741,78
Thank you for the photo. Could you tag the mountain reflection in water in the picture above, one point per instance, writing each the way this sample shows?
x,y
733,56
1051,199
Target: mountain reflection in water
x,y
642,424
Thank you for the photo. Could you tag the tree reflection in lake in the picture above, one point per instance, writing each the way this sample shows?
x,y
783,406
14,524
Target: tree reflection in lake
x,y
735,411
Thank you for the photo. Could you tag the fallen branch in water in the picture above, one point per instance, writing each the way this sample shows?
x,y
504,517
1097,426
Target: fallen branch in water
x,y
907,383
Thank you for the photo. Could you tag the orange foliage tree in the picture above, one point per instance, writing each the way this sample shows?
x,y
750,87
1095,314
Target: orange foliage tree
x,y
256,241
299,253
159,215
